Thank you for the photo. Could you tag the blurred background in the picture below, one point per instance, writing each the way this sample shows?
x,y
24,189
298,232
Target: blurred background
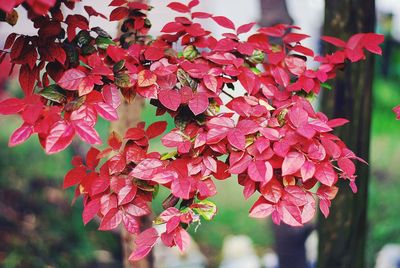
x,y
40,228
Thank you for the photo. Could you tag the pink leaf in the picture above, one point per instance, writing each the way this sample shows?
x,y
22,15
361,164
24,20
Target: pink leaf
x,y
59,138
126,194
182,239
20,135
260,171
325,174
106,111
199,103
292,163
237,139
11,106
181,188
245,28
145,241
90,210
261,208
307,170
224,22
72,79
179,7
111,220
86,132
171,99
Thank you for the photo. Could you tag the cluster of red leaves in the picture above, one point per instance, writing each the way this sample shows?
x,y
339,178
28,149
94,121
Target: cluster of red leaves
x,y
270,136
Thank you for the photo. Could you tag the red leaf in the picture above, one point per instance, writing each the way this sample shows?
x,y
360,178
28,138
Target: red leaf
x,y
146,78
292,163
294,37
27,79
334,41
182,239
199,103
111,95
146,169
307,170
172,27
90,210
179,7
325,174
193,3
298,116
261,208
115,141
57,52
126,194
134,134
11,106
138,207
92,159
337,122
145,241
106,111
171,99
131,223
10,40
72,79
396,110
245,28
116,164
237,139
181,188
211,82
92,12
347,166
74,176
260,171
86,132
20,135
156,129
119,13
224,22
247,78
272,191
59,138
241,165
111,220
201,15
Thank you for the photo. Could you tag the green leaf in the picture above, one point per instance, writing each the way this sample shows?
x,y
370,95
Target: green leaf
x,y
103,42
185,79
206,209
83,37
326,85
119,66
123,81
101,32
81,63
53,93
89,49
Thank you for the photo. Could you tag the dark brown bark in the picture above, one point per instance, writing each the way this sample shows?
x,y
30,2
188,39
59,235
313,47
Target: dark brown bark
x,y
343,235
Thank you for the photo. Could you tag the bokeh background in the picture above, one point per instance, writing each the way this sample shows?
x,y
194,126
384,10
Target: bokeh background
x,y
40,228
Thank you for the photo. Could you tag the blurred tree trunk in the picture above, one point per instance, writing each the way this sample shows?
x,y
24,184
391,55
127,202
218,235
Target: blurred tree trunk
x,y
129,116
342,237
289,240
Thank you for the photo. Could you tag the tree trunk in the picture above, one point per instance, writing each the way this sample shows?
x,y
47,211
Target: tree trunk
x,y
343,235
129,116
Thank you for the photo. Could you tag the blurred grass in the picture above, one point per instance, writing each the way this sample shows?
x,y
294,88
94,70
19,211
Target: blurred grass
x,y
384,191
